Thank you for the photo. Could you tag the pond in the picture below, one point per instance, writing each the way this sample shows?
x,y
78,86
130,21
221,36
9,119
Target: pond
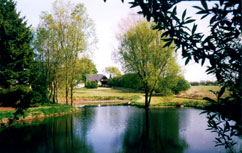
x,y
114,129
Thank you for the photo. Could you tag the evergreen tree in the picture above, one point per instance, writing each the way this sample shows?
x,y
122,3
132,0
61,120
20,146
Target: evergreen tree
x,y
16,55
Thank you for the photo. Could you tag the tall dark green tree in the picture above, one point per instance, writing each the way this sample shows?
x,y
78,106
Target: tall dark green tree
x,y
16,55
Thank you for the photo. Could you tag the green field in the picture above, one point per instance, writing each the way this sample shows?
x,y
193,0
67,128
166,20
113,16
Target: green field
x,y
192,97
104,91
199,92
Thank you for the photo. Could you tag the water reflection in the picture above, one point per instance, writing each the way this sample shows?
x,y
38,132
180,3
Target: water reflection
x,y
54,135
115,130
154,131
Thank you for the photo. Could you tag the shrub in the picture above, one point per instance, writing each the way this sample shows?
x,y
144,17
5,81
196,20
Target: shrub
x,y
36,98
172,85
130,80
15,96
91,84
39,93
182,85
116,82
166,84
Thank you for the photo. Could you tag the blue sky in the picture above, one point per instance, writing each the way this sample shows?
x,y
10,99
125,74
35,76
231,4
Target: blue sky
x,y
107,18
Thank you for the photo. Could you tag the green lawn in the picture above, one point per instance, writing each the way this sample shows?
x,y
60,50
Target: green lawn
x,y
104,91
112,93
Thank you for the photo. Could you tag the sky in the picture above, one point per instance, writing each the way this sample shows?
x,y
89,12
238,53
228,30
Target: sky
x,y
107,18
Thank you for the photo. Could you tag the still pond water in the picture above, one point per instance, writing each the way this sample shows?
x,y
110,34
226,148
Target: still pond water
x,y
114,129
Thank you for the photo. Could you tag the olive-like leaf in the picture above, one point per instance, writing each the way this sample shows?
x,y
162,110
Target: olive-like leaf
x,y
184,14
221,92
167,44
194,28
189,21
197,7
204,4
187,60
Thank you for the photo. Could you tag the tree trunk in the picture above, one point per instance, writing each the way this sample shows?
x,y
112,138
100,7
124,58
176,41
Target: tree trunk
x,y
51,91
71,94
72,80
54,93
150,97
146,99
66,93
55,97
66,85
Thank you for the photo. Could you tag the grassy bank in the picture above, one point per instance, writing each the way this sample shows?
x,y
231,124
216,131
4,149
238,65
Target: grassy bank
x,y
7,116
137,98
176,102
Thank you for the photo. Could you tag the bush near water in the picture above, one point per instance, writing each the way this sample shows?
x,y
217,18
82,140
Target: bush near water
x,y
167,86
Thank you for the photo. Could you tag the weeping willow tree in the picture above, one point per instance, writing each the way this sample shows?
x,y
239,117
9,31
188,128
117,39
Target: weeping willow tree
x,y
142,51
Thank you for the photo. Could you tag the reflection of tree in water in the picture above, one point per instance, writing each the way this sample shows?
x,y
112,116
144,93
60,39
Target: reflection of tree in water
x,y
82,124
50,136
227,130
151,132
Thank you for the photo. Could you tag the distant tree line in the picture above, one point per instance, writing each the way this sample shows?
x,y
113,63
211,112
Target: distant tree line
x,y
204,83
